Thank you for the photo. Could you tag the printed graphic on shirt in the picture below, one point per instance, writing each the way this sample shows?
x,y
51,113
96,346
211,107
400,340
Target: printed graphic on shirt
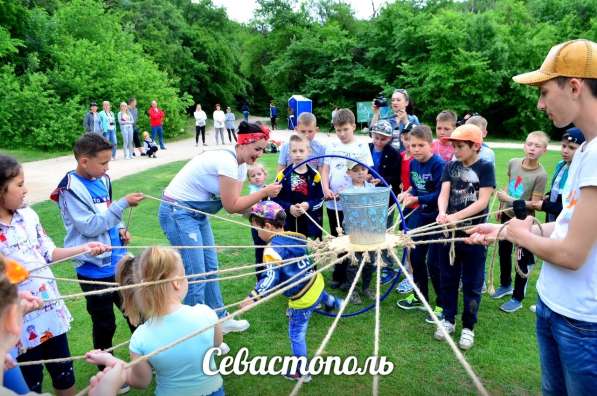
x,y
423,182
465,185
516,188
299,184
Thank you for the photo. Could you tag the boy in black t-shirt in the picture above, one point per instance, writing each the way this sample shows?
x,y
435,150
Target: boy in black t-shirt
x,y
467,185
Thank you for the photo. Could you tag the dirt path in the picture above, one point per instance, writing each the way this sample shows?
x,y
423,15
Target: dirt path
x,y
43,176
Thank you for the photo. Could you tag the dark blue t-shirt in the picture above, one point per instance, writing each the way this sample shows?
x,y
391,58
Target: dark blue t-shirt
x,y
426,182
465,182
101,199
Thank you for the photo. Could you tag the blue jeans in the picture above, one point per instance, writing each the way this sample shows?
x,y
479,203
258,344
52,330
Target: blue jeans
x,y
298,323
159,131
246,116
568,353
185,228
469,264
111,137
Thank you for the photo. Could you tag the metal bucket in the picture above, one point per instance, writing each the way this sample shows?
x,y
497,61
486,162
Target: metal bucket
x,y
365,214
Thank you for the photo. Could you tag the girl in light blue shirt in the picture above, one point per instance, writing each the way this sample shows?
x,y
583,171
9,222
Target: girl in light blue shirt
x,y
179,370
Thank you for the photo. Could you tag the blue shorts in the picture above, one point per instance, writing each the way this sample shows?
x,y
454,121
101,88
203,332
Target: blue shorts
x,y
63,374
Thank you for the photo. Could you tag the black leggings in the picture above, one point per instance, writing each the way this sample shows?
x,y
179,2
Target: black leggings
x,y
199,130
100,308
231,131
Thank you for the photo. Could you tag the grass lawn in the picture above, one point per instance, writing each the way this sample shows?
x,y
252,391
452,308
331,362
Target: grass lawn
x,y
505,354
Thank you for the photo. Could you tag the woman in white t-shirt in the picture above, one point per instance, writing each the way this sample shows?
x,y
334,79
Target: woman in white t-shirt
x,y
207,183
567,304
219,120
200,121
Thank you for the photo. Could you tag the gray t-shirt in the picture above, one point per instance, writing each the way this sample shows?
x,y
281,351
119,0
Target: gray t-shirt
x,y
524,182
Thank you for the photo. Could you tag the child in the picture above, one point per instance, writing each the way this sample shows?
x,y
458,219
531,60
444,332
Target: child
x,y
386,159
164,319
256,175
229,119
425,175
149,145
301,191
23,239
305,297
445,123
526,181
467,185
404,287
358,176
307,127
335,179
486,153
88,212
552,203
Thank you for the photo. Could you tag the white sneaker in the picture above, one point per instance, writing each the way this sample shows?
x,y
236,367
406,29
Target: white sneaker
x,y
233,325
467,339
449,327
533,308
224,348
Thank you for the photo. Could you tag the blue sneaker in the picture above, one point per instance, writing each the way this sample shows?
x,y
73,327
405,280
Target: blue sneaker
x,y
511,306
501,292
404,287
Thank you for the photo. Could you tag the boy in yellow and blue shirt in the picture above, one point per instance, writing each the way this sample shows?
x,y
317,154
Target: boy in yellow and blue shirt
x,y
304,297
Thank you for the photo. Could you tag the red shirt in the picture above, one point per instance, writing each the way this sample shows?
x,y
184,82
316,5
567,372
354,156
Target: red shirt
x,y
443,149
405,173
156,116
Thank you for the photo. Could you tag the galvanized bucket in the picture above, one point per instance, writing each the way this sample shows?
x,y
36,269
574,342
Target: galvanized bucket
x,y
365,214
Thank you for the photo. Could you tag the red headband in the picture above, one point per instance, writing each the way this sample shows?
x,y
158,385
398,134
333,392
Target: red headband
x,y
248,138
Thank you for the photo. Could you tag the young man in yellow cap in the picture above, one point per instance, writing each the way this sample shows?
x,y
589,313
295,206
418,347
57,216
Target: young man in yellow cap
x,y
567,285
467,185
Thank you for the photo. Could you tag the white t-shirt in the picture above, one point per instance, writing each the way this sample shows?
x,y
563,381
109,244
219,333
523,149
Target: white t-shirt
x,y
199,179
200,118
179,370
573,293
219,118
339,180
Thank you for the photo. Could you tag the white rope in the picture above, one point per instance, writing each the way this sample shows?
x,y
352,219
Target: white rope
x,y
332,328
459,356
217,216
378,264
339,230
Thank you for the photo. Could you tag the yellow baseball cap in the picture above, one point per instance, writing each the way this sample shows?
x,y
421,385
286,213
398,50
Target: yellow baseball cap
x,y
575,58
467,133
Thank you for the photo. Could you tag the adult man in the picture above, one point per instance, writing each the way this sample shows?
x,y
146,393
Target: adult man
x,y
567,286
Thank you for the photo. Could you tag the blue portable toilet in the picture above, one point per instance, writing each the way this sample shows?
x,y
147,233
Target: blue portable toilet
x,y
298,104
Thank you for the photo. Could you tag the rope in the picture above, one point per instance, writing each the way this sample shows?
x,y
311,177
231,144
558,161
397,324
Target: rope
x,y
332,328
225,307
86,282
68,359
128,221
459,356
339,230
217,216
439,231
219,321
156,282
435,225
59,261
316,223
490,278
378,263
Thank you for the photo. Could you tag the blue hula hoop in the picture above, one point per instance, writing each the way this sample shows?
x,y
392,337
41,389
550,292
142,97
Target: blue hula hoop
x,y
396,276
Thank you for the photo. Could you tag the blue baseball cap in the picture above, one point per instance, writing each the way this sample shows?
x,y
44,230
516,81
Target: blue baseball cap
x,y
574,135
